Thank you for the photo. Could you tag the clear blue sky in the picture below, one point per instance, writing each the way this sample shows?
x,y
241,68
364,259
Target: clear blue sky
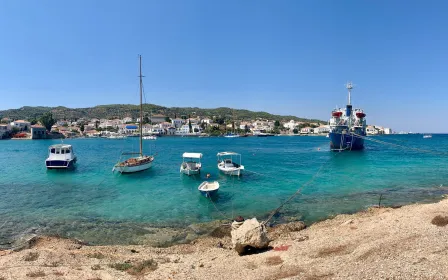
x,y
285,57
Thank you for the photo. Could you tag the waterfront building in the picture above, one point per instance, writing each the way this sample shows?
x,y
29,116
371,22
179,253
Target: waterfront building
x,y
177,123
21,125
38,132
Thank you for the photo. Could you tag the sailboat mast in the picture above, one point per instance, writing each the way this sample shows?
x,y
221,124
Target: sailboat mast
x,y
141,108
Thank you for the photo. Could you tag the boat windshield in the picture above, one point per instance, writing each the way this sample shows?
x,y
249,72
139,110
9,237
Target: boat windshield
x,y
53,151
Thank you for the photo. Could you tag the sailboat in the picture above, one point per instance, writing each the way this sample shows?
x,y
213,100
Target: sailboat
x,y
140,162
232,134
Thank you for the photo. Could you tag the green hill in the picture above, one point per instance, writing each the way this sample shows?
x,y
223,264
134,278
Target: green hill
x,y
127,110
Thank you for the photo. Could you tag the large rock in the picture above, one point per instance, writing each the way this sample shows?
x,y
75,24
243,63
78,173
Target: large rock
x,y
250,234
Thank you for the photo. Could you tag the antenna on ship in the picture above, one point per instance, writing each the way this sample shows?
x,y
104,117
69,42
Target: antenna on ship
x,y
349,86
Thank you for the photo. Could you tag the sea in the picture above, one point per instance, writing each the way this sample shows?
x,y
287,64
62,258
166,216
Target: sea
x,y
161,207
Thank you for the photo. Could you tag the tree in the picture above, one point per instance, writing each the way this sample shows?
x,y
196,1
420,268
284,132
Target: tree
x,y
33,121
81,127
246,128
25,128
189,124
47,120
295,130
167,119
276,123
96,124
196,129
146,120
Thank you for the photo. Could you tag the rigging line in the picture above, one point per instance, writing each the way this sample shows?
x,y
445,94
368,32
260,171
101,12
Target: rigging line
x,y
397,145
299,190
219,211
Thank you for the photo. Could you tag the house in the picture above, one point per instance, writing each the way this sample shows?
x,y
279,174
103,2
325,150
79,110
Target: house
x,y
290,125
371,130
206,120
129,129
306,130
157,118
21,125
38,132
322,129
171,131
177,123
387,130
127,120
185,130
5,129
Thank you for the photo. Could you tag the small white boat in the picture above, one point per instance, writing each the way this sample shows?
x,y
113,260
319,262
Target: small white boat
x,y
208,189
230,163
117,136
191,164
231,135
60,156
150,137
427,136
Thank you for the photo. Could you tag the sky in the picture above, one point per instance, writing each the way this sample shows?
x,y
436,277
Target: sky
x,y
289,57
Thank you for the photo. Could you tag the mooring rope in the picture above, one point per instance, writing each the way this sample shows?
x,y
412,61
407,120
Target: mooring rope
x,y
299,190
397,145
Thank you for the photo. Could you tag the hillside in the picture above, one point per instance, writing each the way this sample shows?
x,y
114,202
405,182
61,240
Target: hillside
x,y
127,110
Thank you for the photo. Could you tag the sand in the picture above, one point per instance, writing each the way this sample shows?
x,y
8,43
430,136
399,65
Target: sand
x,y
379,243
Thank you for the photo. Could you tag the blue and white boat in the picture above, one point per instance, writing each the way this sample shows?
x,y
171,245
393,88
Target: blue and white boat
x,y
347,127
60,156
208,189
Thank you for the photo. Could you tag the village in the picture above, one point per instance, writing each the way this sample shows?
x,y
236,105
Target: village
x,y
161,125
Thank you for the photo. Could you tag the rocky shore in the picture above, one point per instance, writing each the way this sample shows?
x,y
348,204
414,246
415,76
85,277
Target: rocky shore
x,y
410,242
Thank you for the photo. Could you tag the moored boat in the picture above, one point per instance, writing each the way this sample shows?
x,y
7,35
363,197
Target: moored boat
x,y
230,163
150,137
140,162
347,127
60,156
208,189
191,164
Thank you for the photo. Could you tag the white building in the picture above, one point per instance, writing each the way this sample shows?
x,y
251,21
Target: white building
x,y
129,129
21,125
185,130
306,130
371,130
322,129
290,125
127,119
177,123
387,130
206,120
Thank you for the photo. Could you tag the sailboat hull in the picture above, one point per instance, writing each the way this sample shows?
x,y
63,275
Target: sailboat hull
x,y
134,164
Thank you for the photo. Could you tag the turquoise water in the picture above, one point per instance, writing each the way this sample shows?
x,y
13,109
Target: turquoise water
x,y
93,204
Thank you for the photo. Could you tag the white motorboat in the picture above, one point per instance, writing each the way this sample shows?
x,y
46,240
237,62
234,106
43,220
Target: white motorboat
x,y
150,137
140,162
230,163
117,136
427,136
60,156
208,189
191,164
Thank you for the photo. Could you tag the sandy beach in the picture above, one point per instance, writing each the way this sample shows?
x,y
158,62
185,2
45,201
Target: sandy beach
x,y
410,242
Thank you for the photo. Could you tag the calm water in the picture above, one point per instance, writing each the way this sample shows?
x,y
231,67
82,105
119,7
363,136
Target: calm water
x,y
93,204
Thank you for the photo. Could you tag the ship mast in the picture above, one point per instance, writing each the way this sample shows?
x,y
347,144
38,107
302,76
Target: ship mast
x,y
141,108
349,86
